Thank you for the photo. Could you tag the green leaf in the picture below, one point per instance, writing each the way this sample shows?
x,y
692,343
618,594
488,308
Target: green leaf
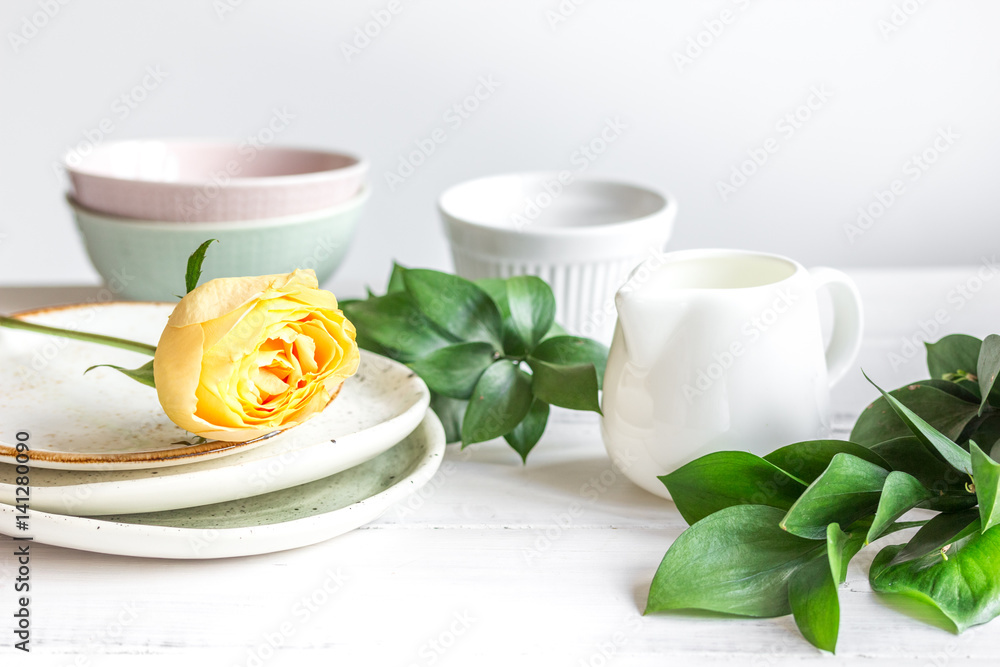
x,y
194,441
456,305
927,434
513,346
142,375
573,351
807,460
901,493
841,547
451,412
945,412
939,532
946,484
568,371
986,475
366,343
961,390
911,455
454,370
500,401
965,587
532,308
556,330
846,491
497,289
573,387
812,596
526,435
193,273
736,561
952,354
722,479
987,367
394,323
396,282
987,433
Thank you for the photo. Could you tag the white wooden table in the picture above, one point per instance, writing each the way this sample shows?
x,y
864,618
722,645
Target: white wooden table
x,y
494,563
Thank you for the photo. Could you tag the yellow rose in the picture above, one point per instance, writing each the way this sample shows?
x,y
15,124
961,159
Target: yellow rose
x,y
241,357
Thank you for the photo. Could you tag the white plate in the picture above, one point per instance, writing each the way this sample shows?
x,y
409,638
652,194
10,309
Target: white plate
x,y
276,521
105,421
384,403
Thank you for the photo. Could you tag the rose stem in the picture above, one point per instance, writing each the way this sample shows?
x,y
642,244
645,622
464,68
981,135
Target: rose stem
x,y
14,323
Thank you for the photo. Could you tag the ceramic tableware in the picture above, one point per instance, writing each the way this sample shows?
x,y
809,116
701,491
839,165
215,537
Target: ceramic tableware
x,y
185,180
386,403
581,235
145,260
287,519
103,421
722,350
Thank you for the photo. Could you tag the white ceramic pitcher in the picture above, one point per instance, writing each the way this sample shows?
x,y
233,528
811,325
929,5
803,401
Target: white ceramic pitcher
x,y
722,350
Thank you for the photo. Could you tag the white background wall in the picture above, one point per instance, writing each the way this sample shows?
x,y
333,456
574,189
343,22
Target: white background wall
x,y
897,72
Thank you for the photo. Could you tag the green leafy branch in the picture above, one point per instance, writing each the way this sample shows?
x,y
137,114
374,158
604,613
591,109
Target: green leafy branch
x,y
773,535
490,351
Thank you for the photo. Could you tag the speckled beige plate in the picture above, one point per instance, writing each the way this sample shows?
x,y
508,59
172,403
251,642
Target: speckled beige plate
x,y
276,521
105,421
387,404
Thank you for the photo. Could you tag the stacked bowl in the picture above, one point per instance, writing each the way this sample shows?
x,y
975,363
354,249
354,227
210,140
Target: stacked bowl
x,y
143,206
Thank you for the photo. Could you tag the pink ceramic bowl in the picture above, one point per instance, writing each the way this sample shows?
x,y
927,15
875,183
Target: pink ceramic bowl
x,y
181,180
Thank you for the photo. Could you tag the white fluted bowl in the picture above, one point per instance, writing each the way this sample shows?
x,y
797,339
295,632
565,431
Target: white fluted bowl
x,y
581,235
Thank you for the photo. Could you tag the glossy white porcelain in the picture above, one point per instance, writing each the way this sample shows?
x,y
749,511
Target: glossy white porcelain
x,y
722,350
287,519
581,235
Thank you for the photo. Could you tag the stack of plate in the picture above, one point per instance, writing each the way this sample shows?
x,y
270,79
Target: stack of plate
x,y
108,472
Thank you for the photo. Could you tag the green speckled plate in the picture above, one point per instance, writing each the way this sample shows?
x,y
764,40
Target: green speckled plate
x,y
287,519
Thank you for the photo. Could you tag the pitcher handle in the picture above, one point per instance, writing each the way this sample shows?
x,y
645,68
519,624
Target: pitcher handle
x,y
848,320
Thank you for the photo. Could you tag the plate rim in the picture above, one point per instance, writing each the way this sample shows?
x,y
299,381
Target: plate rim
x,y
227,542
135,460
124,491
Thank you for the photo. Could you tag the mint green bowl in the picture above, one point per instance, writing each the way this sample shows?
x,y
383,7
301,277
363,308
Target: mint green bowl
x,y
145,260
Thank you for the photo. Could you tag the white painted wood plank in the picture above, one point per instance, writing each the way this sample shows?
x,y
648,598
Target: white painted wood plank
x,y
406,587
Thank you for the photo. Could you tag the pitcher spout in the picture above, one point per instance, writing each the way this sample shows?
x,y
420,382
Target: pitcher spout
x,y
648,319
